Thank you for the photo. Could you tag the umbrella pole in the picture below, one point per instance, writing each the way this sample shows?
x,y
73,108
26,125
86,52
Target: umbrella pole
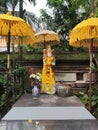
x,y
90,79
44,42
8,71
44,45
13,60
20,49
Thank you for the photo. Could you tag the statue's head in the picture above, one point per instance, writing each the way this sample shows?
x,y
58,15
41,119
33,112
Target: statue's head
x,y
49,51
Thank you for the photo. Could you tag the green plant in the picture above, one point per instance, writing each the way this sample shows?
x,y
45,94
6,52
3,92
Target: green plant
x,y
2,63
2,80
95,101
95,97
2,98
18,69
85,97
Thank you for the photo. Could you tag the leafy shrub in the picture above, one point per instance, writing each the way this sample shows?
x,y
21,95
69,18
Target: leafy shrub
x,y
18,69
85,97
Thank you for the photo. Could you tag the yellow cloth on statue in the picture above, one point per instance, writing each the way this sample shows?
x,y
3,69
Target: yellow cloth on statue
x,y
48,79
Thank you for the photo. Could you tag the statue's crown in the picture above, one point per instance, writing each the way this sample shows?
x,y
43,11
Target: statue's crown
x,y
49,49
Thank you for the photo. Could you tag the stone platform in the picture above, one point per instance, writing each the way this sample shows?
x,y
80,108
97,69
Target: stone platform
x,y
48,112
27,100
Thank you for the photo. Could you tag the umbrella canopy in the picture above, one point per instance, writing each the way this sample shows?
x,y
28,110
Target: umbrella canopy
x,y
82,33
46,37
14,40
16,26
11,26
85,34
2,42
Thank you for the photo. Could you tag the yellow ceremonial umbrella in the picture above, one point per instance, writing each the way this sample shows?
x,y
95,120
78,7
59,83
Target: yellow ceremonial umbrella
x,y
46,37
12,26
85,34
16,26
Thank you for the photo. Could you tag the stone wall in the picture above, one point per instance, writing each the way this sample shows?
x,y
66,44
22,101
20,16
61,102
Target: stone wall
x,y
66,76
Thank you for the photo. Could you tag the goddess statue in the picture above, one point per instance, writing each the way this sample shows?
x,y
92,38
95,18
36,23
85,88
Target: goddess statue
x,y
48,78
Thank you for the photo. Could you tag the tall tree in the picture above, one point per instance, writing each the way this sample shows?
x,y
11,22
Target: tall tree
x,y
21,14
3,5
64,15
21,11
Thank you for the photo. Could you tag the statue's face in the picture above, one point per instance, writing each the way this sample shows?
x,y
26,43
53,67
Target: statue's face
x,y
49,54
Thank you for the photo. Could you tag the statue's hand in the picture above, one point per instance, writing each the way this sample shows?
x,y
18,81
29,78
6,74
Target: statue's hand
x,y
53,63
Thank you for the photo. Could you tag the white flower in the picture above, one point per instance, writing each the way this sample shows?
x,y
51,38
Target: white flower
x,y
39,74
32,76
37,77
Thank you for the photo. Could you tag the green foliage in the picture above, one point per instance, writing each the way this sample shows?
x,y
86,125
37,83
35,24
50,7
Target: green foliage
x,y
15,88
95,97
64,15
64,18
3,80
18,69
85,97
27,48
96,14
2,101
2,62
95,100
55,3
